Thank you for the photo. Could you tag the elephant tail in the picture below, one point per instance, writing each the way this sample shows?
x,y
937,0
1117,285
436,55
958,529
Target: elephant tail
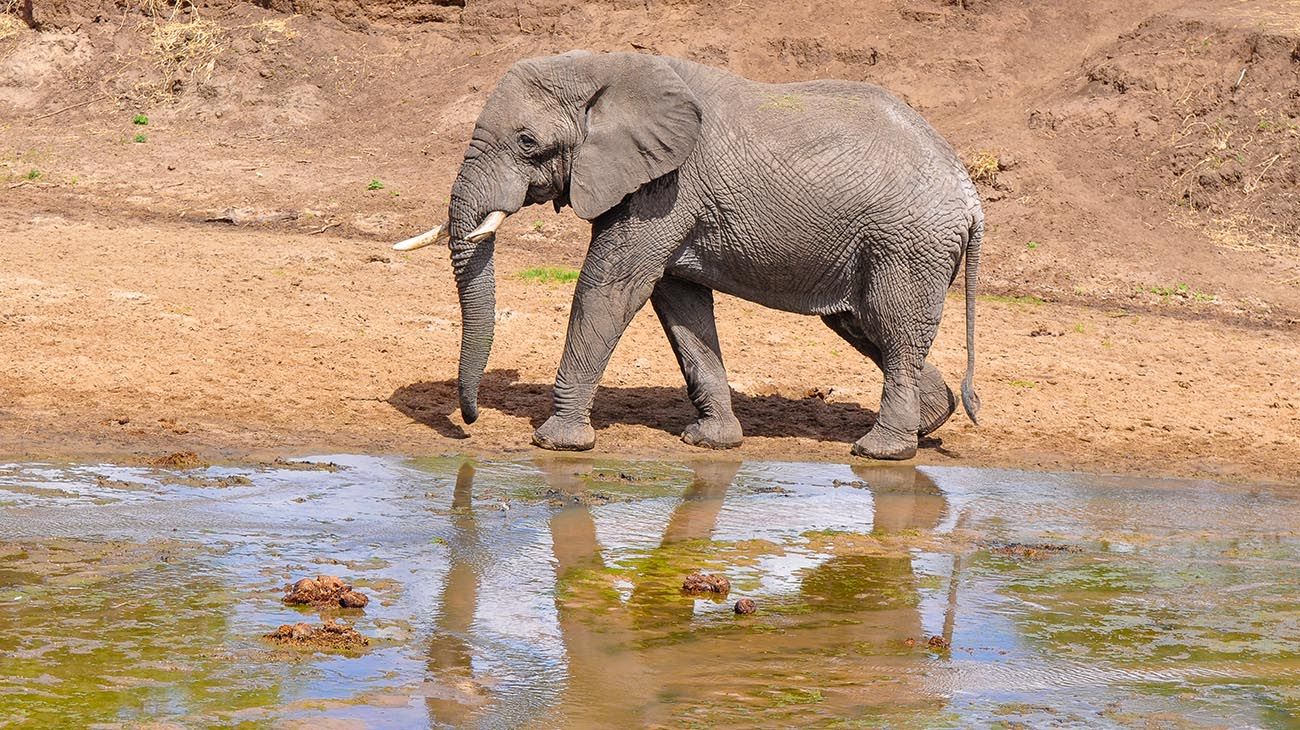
x,y
969,399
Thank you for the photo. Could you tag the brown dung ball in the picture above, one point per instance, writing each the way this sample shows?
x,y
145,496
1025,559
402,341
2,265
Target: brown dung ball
x,y
746,606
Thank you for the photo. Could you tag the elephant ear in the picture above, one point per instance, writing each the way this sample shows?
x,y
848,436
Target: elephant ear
x,y
642,122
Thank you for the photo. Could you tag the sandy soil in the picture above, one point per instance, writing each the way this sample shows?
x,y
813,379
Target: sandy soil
x,y
224,284
247,342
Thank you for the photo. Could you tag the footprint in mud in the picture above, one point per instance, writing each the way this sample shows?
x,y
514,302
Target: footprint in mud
x,y
330,635
324,591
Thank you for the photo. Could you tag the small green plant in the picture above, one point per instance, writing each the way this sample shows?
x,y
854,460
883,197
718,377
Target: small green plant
x,y
33,174
549,275
140,138
1078,327
140,120
1022,384
1032,245
375,185
1182,291
537,226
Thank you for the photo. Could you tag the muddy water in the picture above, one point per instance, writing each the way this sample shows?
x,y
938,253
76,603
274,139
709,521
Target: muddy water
x,y
546,594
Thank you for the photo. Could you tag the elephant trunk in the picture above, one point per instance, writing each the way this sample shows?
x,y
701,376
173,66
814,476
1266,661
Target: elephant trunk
x,y
476,284
478,206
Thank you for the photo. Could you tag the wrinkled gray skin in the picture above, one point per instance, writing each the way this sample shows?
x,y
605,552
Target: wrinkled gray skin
x,y
826,198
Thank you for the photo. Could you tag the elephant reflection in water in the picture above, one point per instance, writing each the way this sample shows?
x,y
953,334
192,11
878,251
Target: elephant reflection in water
x,y
642,661
450,654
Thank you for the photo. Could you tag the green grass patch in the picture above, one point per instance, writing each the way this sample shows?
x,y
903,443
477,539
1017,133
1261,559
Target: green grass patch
x,y
1182,291
375,185
1022,384
1027,300
140,120
549,274
140,139
33,174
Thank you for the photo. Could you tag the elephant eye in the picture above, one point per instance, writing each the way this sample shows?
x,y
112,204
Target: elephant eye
x,y
527,142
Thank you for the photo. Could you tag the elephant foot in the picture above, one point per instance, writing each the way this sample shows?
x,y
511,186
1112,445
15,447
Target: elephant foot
x,y
560,435
718,432
886,445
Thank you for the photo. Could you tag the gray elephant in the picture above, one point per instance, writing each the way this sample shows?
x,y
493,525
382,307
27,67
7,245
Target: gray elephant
x,y
827,198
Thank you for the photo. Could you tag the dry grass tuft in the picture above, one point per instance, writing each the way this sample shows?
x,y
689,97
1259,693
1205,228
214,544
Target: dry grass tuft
x,y
186,49
1242,233
10,26
984,167
10,22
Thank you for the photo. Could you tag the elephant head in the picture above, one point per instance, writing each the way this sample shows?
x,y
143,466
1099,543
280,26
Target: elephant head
x,y
580,129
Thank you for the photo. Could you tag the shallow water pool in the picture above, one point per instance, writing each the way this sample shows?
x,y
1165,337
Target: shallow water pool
x,y
547,593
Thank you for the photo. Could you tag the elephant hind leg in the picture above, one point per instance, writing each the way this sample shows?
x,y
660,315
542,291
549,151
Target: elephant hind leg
x,y
938,402
899,313
685,310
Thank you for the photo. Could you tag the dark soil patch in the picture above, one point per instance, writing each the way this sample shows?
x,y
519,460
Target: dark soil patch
x,y
176,460
556,498
1032,550
237,480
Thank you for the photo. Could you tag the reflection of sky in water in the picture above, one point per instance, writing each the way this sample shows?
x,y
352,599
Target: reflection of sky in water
x,y
1005,617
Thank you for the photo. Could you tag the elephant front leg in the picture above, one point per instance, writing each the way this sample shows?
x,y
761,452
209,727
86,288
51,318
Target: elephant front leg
x,y
601,312
685,310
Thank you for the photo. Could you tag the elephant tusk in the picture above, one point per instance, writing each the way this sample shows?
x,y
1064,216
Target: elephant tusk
x,y
422,240
488,227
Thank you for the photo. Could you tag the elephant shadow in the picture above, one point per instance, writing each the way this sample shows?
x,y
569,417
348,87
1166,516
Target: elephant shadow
x,y
667,409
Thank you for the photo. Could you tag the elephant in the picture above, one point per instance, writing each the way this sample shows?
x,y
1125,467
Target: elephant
x,y
827,198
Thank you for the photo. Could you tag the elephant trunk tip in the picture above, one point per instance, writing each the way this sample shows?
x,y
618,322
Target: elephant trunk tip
x,y
469,410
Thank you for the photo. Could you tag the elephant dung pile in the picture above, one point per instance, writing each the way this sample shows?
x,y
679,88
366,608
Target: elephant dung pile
x,y
329,635
697,583
324,591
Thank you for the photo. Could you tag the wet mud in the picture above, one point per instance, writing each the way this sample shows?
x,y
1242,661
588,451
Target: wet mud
x,y
916,597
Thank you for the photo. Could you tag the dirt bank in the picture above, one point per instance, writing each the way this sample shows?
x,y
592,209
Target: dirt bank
x,y
248,342
194,208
